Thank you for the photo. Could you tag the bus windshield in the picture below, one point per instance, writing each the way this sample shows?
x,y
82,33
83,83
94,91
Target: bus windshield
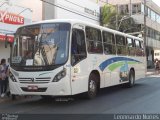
x,y
41,45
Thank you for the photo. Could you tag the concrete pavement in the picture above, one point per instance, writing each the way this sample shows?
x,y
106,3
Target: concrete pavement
x,y
151,72
143,98
4,99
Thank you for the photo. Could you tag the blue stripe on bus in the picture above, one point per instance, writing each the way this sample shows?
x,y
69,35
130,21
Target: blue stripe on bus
x,y
106,63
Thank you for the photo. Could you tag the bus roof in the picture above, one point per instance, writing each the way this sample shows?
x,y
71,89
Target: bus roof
x,y
74,21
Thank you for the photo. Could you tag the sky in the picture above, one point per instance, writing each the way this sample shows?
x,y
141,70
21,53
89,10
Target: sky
x,y
157,2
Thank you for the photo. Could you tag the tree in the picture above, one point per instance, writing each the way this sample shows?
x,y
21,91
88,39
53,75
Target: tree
x,y
108,12
110,18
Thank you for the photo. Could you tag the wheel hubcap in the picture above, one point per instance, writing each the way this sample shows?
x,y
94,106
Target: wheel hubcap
x,y
92,86
132,81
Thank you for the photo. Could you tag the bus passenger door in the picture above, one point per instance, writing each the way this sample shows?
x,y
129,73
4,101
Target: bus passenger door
x,y
79,78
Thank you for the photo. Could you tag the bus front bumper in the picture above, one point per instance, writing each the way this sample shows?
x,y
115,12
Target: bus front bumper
x,y
54,88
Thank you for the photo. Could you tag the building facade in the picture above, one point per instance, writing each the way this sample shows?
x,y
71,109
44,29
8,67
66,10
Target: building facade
x,y
135,9
90,11
71,9
11,17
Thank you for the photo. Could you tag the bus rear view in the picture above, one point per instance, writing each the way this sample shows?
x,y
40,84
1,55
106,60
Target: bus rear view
x,y
38,58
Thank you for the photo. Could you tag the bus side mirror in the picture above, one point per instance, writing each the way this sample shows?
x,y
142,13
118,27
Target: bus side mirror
x,y
6,41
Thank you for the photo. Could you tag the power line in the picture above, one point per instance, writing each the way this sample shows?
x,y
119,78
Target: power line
x,y
74,3
25,10
69,10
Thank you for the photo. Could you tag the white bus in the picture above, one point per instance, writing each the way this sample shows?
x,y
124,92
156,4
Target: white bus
x,y
68,57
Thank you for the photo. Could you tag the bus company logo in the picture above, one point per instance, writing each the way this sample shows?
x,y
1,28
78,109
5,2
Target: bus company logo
x,y
11,18
32,79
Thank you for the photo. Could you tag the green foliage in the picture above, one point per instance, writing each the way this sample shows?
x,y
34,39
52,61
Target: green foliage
x,y
110,18
108,11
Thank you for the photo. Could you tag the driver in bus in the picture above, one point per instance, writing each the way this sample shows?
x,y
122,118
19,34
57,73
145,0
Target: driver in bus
x,y
27,56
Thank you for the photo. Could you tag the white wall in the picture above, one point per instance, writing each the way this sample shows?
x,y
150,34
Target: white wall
x,y
48,11
79,10
5,27
72,9
17,10
35,5
4,52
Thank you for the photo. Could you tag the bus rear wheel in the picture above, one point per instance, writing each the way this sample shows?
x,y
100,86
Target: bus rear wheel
x,y
92,87
131,79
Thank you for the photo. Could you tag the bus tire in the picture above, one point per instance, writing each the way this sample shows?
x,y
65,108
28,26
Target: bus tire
x,y
13,97
131,79
92,86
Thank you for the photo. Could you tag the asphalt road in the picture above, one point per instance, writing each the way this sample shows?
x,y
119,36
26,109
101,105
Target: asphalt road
x,y
144,97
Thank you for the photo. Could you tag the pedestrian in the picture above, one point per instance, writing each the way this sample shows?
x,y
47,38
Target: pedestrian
x,y
156,66
27,56
3,77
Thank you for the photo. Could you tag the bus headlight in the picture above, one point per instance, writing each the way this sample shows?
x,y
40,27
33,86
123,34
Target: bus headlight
x,y
12,77
60,75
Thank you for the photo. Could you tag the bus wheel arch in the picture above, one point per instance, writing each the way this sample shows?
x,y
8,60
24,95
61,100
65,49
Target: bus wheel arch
x,y
93,84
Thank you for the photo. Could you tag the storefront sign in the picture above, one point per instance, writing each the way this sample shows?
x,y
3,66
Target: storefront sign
x,y
3,37
11,18
91,12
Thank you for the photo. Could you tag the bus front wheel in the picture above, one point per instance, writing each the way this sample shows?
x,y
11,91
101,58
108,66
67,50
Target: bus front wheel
x,y
92,87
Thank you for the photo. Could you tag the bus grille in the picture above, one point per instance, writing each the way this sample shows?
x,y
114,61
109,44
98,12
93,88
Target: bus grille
x,y
38,90
34,80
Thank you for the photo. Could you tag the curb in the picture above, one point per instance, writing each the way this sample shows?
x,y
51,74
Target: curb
x,y
5,99
9,99
150,73
153,73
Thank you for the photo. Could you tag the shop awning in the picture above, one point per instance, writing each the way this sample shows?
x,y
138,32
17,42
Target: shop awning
x,y
9,37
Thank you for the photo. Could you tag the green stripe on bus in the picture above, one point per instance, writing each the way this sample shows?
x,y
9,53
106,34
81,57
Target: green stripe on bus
x,y
114,66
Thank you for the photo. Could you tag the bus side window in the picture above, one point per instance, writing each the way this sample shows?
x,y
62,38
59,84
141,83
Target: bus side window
x,y
109,43
142,48
138,48
94,40
121,45
78,46
130,47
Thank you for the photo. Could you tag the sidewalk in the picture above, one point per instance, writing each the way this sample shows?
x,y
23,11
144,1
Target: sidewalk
x,y
9,99
5,99
150,72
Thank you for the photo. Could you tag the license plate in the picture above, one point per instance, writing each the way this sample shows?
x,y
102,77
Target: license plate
x,y
32,87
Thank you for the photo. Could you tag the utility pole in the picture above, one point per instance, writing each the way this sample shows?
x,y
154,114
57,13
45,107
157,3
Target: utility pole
x,y
116,17
145,40
130,4
144,31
